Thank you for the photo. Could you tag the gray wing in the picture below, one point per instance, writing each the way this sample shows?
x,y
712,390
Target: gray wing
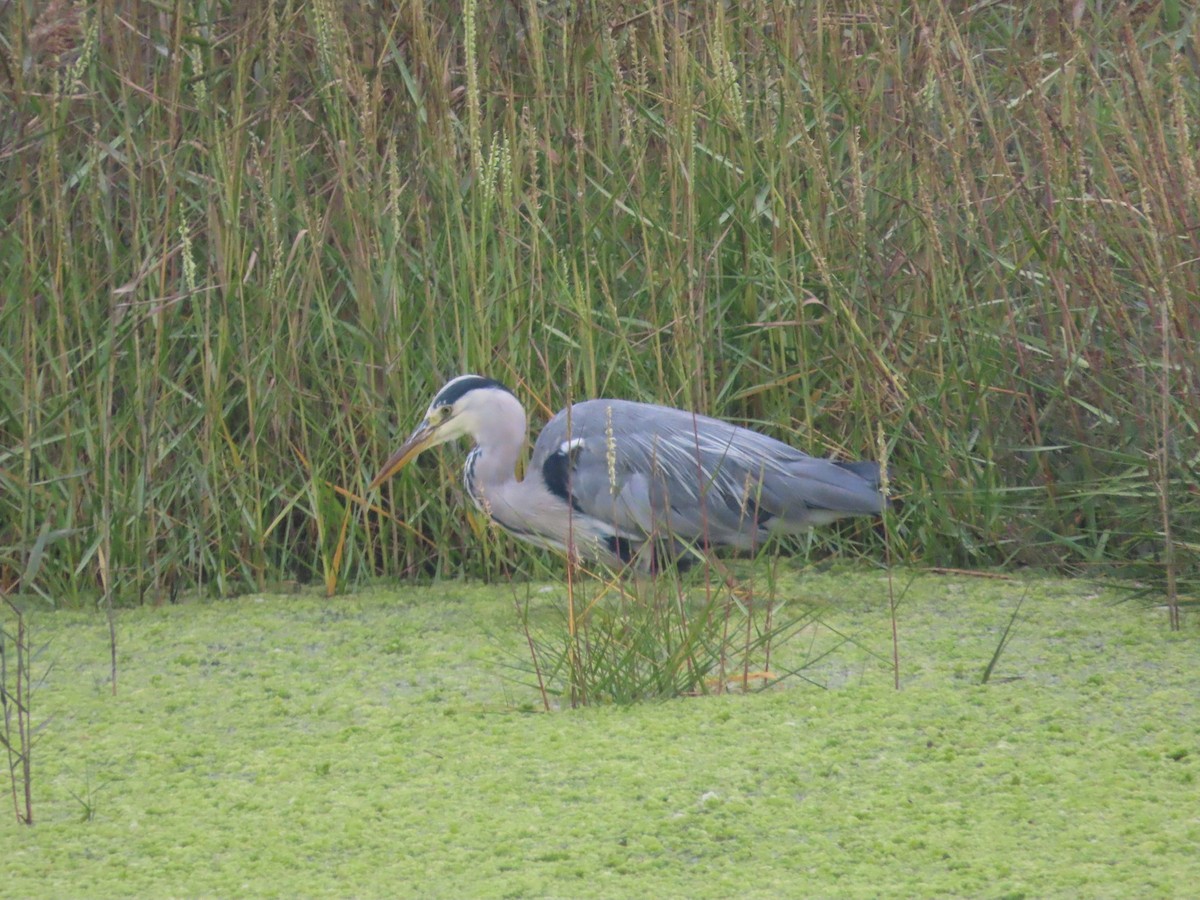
x,y
651,470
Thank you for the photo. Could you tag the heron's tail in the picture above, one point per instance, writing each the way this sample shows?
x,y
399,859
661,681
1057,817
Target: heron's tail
x,y
870,472
866,469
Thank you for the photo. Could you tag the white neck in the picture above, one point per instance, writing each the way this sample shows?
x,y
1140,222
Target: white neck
x,y
500,437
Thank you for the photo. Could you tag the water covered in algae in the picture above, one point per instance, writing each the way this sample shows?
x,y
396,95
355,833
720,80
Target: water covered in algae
x,y
374,746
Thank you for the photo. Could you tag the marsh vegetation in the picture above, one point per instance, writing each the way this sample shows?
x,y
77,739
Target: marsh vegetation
x,y
244,242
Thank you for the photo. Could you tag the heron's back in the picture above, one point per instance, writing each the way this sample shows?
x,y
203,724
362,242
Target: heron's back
x,y
644,469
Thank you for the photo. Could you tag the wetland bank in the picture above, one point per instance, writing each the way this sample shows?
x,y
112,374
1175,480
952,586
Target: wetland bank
x,y
377,745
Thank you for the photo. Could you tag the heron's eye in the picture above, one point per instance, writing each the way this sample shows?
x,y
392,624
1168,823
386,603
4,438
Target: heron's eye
x,y
443,413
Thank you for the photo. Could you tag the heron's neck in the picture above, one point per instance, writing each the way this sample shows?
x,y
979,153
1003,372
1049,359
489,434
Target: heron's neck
x,y
498,443
492,465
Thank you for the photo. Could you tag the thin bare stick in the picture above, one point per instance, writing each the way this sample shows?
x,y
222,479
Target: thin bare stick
x,y
17,702
523,615
885,489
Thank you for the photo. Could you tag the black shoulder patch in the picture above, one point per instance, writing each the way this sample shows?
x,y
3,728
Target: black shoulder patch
x,y
464,384
556,472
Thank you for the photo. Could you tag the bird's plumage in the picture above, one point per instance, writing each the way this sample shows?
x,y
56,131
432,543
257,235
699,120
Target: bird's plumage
x,y
622,482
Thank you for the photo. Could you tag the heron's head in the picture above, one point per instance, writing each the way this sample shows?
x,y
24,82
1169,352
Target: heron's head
x,y
466,405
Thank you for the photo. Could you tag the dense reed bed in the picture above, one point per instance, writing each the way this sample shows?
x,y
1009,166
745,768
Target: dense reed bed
x,y
243,243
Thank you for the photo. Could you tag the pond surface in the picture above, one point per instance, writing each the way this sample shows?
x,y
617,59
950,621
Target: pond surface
x,y
383,745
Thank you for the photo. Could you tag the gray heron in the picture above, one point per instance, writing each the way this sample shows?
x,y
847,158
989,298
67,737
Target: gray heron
x,y
626,483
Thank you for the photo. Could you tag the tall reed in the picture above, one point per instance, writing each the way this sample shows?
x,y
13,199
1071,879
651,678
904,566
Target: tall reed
x,y
245,243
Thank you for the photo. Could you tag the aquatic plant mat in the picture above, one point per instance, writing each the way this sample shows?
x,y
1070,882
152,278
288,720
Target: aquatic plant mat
x,y
375,746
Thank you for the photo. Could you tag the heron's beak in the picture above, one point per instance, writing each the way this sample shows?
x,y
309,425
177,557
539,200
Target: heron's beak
x,y
423,437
